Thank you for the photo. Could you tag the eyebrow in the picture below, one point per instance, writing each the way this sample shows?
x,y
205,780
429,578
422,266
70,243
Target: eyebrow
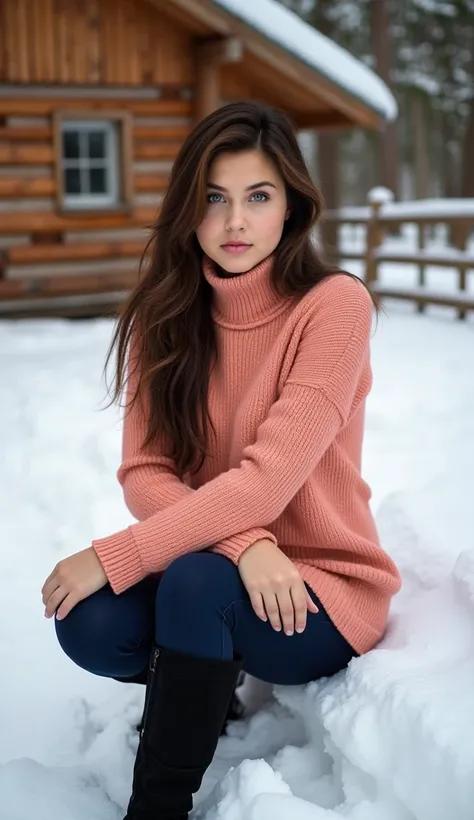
x,y
249,187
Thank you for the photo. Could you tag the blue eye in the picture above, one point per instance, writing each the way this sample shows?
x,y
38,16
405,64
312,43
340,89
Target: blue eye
x,y
215,199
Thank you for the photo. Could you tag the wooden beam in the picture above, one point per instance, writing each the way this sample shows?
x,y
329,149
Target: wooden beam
x,y
208,97
462,301
171,133
208,14
48,221
322,120
210,55
26,134
71,252
62,285
12,153
17,187
156,150
150,183
435,260
37,107
222,50
92,304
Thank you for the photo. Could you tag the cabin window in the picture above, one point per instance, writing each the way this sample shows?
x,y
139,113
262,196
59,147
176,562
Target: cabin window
x,y
93,162
90,164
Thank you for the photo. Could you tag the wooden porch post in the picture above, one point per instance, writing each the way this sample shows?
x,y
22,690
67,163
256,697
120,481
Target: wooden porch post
x,y
207,88
210,55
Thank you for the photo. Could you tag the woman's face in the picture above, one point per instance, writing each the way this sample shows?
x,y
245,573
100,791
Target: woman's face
x,y
246,211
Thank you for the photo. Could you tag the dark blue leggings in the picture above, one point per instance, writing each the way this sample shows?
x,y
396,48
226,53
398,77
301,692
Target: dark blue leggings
x,y
199,606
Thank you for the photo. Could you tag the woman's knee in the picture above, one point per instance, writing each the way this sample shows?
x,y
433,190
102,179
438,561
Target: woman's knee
x,y
193,597
84,634
198,577
98,637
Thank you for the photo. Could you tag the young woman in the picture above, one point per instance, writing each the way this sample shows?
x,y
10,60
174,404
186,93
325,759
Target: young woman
x,y
246,364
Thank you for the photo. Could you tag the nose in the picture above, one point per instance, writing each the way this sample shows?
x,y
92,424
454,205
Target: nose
x,y
235,219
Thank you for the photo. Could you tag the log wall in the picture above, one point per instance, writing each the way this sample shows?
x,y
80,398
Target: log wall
x,y
85,57
99,42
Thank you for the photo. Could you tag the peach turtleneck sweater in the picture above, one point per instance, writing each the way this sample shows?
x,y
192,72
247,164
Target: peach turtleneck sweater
x,y
287,399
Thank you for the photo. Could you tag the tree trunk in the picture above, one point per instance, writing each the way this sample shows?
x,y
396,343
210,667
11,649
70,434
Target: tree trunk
x,y
449,166
467,177
467,183
329,182
420,146
329,168
328,156
388,141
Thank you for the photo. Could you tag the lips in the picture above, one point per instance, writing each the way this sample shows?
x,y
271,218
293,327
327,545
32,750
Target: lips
x,y
236,248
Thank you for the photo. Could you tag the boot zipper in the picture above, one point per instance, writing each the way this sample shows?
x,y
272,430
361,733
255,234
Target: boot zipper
x,y
153,661
152,668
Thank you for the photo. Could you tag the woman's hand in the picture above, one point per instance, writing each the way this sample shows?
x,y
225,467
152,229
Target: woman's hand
x,y
72,580
275,587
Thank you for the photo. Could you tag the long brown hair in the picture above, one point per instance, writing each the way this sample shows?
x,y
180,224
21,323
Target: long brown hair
x,y
168,314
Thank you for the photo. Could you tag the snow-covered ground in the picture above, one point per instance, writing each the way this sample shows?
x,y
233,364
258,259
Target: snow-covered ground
x,y
390,739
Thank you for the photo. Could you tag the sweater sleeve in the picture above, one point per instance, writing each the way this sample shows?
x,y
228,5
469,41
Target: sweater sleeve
x,y
150,479
313,406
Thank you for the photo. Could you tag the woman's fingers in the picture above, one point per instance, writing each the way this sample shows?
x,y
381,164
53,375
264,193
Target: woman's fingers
x,y
272,609
46,583
310,603
50,586
298,595
68,603
54,601
287,610
257,602
286,607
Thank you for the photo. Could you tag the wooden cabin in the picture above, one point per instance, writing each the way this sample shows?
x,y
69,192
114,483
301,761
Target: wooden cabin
x,y
95,99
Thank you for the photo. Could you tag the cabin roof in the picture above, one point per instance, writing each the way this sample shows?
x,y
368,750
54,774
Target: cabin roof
x,y
339,82
286,29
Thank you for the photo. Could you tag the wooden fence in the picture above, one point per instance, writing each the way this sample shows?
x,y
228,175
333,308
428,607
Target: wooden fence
x,y
384,218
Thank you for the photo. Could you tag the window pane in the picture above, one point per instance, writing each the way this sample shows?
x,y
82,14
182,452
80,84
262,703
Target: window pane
x,y
97,180
70,144
72,181
96,143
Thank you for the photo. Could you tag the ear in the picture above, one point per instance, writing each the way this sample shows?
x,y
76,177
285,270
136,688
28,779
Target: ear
x,y
287,215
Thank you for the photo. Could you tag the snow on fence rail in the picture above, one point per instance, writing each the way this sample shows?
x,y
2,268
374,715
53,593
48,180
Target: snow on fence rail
x,y
383,216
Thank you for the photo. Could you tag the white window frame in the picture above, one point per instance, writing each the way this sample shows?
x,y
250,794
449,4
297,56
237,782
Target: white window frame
x,y
111,162
117,124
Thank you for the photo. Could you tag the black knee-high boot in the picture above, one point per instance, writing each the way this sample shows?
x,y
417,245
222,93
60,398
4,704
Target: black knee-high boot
x,y
236,707
187,700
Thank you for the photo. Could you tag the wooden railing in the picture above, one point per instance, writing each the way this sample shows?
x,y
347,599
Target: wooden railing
x,y
383,219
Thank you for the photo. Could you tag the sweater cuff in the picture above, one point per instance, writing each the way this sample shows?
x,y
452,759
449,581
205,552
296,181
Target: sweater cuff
x,y
235,546
120,559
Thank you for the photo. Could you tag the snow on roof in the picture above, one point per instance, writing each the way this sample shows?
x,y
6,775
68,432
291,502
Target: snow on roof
x,y
289,31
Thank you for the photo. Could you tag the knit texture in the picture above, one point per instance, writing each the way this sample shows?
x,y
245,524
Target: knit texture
x,y
287,400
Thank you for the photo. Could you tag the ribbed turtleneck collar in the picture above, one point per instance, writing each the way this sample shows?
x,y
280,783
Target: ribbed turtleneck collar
x,y
244,300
